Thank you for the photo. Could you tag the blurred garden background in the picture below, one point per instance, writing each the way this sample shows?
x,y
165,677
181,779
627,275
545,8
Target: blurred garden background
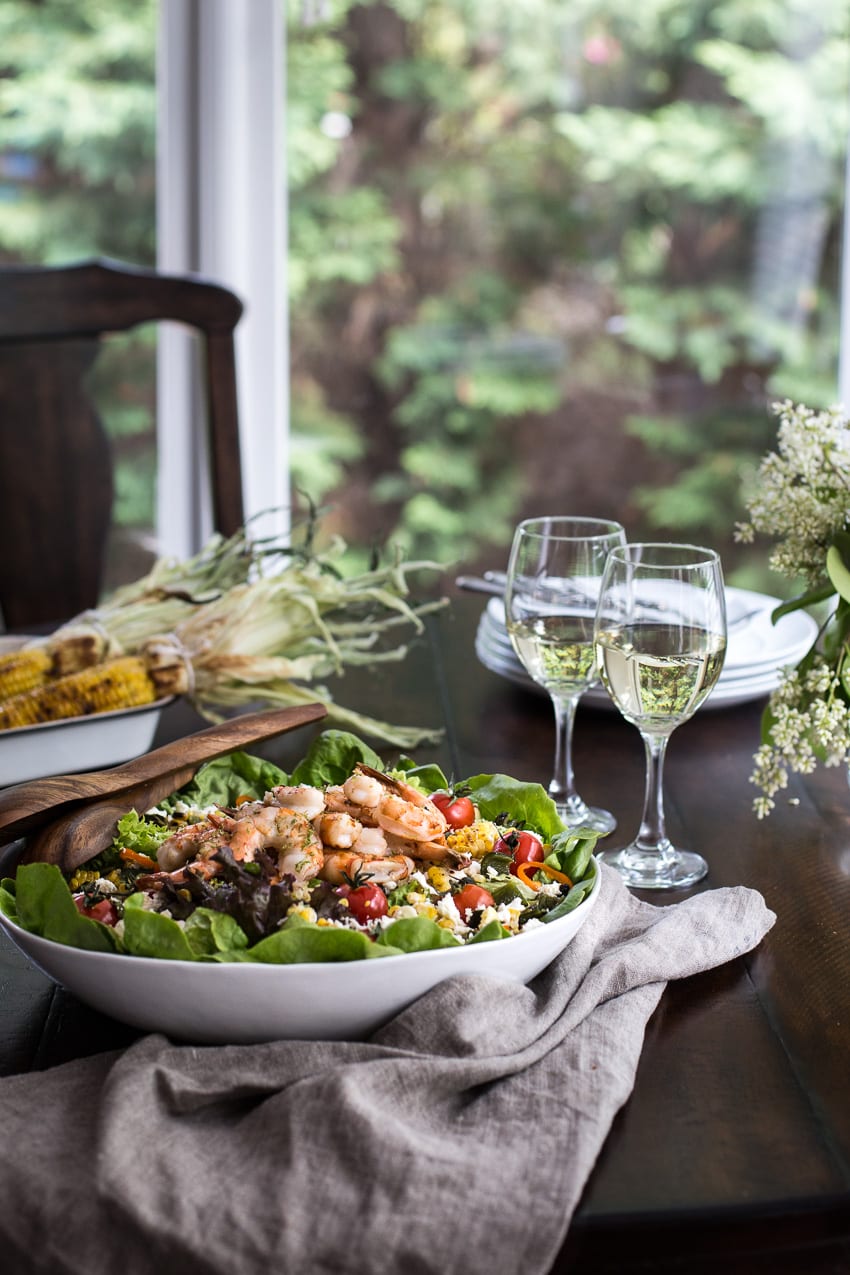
x,y
543,256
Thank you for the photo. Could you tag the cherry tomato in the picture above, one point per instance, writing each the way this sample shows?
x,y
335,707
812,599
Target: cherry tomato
x,y
459,811
104,911
471,897
366,903
523,847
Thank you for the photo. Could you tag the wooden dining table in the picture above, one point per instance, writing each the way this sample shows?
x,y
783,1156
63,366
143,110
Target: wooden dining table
x,y
732,1153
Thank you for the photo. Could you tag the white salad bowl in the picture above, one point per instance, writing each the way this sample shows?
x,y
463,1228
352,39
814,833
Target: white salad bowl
x,y
246,1003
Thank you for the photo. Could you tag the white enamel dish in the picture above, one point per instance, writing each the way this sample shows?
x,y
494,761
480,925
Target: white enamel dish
x,y
247,1003
77,743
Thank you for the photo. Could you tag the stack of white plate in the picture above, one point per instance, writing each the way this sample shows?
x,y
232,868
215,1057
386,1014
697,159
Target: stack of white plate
x,y
756,653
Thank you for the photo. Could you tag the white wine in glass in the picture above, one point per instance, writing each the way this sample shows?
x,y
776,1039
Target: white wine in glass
x,y
551,592
660,639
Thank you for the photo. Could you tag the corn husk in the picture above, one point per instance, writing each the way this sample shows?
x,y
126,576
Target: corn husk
x,y
247,623
171,591
274,639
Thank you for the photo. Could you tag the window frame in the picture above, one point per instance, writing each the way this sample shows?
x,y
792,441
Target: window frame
x,y
221,213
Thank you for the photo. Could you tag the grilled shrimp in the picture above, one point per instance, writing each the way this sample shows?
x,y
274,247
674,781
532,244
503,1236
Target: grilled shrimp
x,y
197,868
345,865
432,851
359,797
303,798
377,800
197,840
338,830
279,828
404,818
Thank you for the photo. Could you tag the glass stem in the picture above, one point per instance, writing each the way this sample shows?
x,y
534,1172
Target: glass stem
x,y
562,789
652,836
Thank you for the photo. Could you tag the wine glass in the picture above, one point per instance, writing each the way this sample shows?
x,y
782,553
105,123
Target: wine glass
x,y
660,643
551,592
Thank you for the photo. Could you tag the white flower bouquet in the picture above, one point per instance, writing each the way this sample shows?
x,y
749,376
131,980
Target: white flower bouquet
x,y
802,496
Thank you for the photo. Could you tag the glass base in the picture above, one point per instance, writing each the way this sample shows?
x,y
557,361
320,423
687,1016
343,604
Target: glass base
x,y
664,868
576,813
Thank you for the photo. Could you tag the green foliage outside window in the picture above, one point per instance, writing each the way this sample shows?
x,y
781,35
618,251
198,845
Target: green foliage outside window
x,y
529,242
639,204
77,180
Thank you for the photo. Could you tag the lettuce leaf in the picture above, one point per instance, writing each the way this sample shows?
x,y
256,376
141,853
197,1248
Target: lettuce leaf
x,y
221,781
209,932
577,894
153,933
300,942
44,906
138,833
489,933
416,934
527,803
428,778
332,757
8,902
572,851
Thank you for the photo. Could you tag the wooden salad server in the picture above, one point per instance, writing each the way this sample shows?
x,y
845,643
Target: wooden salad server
x,y
146,779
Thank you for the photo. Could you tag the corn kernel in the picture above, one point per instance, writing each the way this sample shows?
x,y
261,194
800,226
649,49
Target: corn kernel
x,y
118,683
477,839
306,913
23,670
438,878
81,877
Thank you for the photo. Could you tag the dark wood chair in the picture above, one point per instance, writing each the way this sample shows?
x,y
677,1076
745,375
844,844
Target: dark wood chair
x,y
56,470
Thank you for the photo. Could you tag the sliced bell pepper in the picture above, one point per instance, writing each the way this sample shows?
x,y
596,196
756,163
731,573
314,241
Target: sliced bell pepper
x,y
530,866
137,859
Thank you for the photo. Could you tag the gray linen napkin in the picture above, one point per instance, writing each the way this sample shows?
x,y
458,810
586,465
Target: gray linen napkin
x,y
413,1152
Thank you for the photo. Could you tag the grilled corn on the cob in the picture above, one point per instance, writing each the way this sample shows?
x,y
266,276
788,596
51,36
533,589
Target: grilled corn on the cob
x,y
22,670
119,683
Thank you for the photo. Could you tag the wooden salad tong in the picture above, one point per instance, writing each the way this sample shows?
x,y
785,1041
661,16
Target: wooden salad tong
x,y
71,818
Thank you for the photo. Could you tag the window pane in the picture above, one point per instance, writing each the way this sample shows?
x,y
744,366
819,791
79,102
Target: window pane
x,y
559,258
77,180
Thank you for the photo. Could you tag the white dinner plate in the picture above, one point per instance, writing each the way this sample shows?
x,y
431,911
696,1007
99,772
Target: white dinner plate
x,y
495,643
759,650
754,643
741,691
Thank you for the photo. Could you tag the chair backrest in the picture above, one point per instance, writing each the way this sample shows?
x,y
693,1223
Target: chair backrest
x,y
56,471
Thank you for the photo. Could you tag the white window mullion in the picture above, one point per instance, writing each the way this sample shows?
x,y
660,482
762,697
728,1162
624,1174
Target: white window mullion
x,y
844,303
222,213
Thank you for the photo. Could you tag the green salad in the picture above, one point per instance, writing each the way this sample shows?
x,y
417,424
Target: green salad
x,y
344,859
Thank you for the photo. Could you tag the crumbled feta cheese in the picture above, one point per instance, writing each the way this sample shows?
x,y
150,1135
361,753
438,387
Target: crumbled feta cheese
x,y
446,908
106,886
550,890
